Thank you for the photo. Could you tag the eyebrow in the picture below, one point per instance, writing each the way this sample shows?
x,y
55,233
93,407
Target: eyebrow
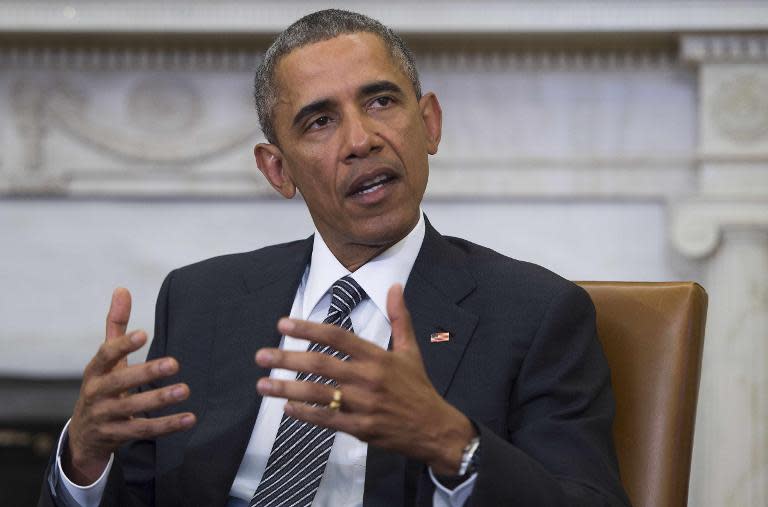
x,y
312,108
325,104
380,86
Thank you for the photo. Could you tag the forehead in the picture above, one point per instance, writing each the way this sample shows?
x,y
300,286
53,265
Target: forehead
x,y
333,67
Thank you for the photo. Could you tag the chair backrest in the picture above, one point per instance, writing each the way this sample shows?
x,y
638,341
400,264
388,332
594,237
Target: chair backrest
x,y
653,335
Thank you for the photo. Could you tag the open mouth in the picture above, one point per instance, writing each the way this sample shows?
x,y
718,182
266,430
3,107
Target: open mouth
x,y
372,185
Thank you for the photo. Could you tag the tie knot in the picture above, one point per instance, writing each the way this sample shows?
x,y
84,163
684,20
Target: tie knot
x,y
347,291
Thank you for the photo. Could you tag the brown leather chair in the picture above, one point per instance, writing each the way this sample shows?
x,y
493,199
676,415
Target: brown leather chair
x,y
653,335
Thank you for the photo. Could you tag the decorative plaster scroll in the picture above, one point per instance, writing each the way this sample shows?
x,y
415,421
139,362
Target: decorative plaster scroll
x,y
178,144
165,105
697,226
732,48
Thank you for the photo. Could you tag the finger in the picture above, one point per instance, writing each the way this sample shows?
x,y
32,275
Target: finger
x,y
357,425
148,428
137,375
328,334
115,350
309,362
402,329
142,402
319,415
119,313
308,392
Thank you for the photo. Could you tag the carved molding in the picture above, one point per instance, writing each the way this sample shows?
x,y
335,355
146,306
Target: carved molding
x,y
112,59
697,225
245,60
28,103
553,59
732,48
428,16
734,112
159,123
739,107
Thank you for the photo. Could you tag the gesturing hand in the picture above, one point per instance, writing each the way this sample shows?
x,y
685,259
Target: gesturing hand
x,y
388,399
103,418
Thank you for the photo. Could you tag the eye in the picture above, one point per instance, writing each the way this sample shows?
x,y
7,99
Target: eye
x,y
319,122
382,102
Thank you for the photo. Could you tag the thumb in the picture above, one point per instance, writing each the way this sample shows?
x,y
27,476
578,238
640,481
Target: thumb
x,y
402,329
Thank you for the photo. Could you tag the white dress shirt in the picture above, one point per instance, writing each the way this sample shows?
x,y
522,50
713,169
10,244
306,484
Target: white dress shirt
x,y
343,481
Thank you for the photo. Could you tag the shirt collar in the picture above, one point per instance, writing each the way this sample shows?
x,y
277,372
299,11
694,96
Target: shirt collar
x,y
375,277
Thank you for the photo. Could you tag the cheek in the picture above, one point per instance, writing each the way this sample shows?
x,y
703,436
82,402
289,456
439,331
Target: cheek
x,y
311,169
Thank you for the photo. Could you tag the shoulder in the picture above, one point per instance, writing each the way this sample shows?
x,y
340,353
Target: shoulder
x,y
232,271
509,287
497,272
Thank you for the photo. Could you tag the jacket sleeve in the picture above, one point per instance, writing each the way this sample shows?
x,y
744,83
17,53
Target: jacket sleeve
x,y
558,450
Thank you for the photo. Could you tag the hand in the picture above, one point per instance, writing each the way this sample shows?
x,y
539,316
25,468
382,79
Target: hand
x,y
103,418
388,400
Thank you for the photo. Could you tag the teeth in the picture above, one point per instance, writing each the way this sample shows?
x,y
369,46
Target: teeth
x,y
369,190
375,180
373,184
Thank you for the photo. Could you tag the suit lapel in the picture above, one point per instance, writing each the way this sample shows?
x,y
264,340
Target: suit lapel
x,y
437,284
439,281
245,324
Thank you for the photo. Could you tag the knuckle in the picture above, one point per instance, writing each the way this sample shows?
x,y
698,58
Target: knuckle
x,y
126,407
375,378
100,432
369,403
89,368
144,429
364,428
99,412
117,383
105,352
316,362
150,368
337,335
163,396
278,388
90,392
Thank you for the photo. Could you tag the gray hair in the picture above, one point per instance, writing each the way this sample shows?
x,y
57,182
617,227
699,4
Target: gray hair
x,y
316,27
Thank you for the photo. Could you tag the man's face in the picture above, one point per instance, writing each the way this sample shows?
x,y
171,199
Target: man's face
x,y
353,139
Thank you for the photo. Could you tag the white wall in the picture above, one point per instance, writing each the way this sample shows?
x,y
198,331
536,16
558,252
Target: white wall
x,y
63,257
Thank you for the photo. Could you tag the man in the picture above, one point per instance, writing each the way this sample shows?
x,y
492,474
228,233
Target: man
x,y
492,390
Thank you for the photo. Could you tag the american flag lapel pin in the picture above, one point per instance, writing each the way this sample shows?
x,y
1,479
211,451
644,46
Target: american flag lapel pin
x,y
441,336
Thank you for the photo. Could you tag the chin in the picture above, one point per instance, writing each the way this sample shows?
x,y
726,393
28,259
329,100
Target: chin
x,y
383,231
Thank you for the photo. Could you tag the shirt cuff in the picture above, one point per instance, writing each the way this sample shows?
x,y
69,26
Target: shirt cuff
x,y
85,496
456,497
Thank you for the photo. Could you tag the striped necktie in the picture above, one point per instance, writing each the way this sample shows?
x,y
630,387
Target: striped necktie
x,y
300,451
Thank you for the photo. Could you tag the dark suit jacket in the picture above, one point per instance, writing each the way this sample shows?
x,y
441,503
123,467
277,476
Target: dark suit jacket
x,y
523,363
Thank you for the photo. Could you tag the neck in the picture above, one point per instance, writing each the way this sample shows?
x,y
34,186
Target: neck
x,y
353,256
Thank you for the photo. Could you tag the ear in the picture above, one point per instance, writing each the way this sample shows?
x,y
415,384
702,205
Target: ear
x,y
432,116
269,159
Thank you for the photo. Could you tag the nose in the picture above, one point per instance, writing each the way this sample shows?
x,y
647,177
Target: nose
x,y
361,137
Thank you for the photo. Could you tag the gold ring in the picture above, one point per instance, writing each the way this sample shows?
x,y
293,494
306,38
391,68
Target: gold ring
x,y
335,403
